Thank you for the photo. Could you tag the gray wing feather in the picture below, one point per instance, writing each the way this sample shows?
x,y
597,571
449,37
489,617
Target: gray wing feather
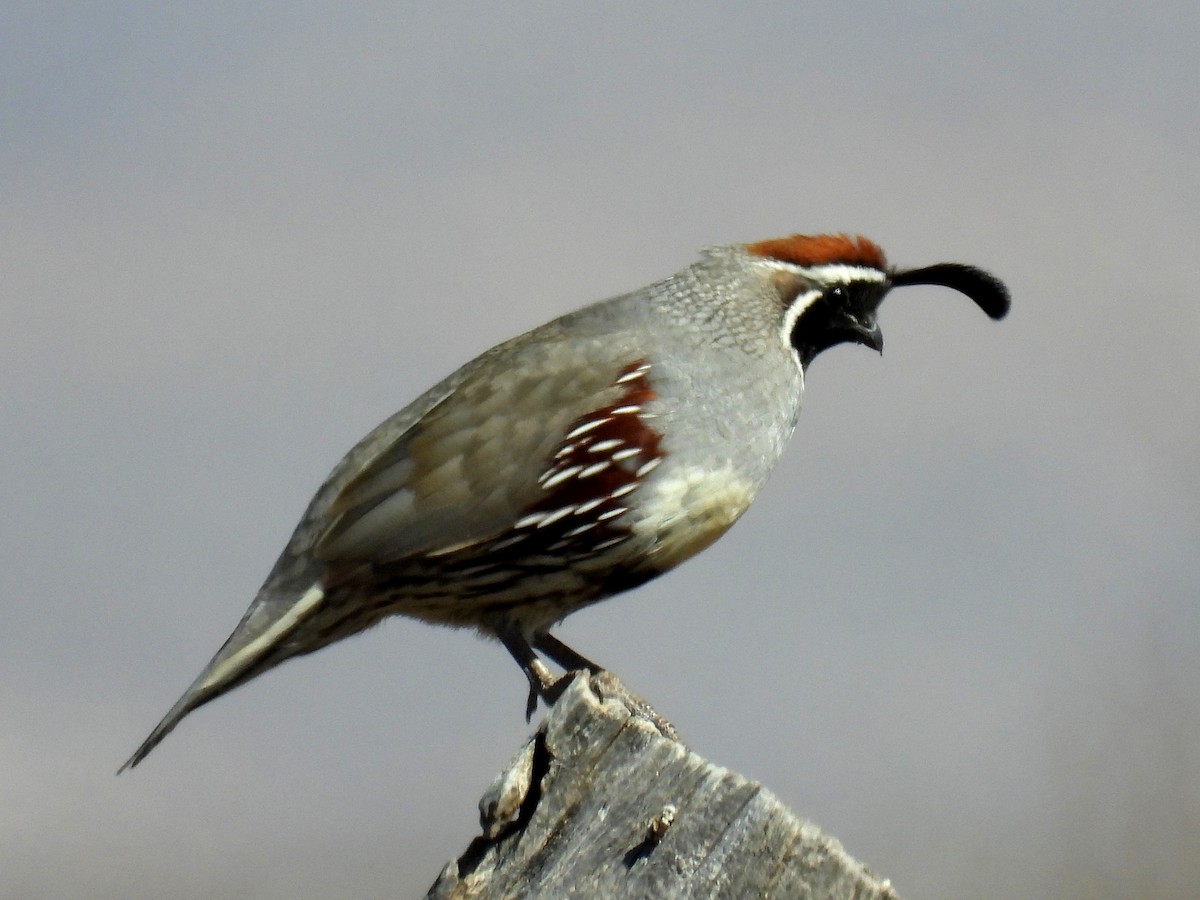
x,y
451,469
466,468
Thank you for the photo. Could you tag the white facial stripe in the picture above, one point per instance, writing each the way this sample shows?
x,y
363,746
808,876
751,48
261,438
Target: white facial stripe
x,y
824,275
840,273
792,313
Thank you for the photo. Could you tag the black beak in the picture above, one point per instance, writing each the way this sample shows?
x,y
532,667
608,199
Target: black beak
x,y
988,291
863,329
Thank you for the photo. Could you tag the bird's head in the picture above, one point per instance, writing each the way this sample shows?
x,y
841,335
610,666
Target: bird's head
x,y
832,285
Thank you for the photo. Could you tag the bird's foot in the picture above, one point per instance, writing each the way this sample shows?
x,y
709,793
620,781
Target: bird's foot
x,y
548,691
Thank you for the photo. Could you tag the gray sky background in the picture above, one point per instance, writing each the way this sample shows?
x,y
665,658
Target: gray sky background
x,y
960,628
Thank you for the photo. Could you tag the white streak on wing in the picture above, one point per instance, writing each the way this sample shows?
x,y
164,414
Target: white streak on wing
x,y
230,668
626,453
647,467
589,505
531,519
605,446
583,429
561,513
634,375
595,469
559,477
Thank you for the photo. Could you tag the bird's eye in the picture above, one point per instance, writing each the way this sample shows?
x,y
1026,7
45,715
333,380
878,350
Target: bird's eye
x,y
837,295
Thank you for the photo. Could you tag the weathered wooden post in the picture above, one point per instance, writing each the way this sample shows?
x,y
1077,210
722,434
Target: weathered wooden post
x,y
602,802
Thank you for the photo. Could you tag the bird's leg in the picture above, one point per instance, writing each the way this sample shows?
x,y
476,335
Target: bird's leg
x,y
541,682
564,655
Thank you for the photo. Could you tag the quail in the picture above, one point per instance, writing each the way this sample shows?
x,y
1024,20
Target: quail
x,y
576,461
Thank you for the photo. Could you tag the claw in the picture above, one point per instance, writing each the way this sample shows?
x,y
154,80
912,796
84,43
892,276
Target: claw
x,y
531,703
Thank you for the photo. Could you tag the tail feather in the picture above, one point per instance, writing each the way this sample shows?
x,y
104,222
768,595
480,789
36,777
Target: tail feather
x,y
247,652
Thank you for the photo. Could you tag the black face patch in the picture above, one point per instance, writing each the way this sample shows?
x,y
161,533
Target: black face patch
x,y
858,299
845,313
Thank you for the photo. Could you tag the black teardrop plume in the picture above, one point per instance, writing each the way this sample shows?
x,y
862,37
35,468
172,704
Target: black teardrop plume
x,y
988,291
